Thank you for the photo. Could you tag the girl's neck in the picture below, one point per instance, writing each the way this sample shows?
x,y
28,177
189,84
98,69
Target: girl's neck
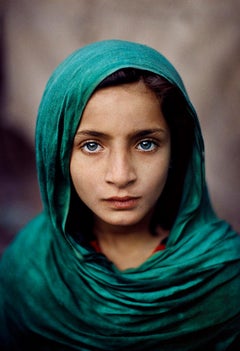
x,y
128,247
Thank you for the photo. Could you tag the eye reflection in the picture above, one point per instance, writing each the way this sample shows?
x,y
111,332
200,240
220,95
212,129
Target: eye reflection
x,y
91,146
147,145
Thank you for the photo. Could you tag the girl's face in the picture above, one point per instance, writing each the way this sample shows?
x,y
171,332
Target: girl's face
x,y
121,154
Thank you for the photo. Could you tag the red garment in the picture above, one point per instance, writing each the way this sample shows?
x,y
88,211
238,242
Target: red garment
x,y
160,247
97,248
95,245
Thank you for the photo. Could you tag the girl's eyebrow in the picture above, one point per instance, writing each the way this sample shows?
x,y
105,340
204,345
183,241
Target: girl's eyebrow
x,y
92,133
146,132
136,133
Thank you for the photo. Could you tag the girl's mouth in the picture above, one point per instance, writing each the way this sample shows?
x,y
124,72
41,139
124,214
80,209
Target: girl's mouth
x,y
122,203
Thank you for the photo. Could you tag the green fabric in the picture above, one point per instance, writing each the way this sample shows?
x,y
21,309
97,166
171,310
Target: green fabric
x,y
58,295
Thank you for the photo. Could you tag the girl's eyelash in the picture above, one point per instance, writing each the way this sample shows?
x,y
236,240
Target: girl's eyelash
x,y
147,145
90,146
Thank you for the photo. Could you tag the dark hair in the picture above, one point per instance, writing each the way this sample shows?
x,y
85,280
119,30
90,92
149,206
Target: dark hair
x,y
176,113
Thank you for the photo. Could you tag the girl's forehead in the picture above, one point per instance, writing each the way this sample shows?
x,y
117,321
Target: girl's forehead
x,y
122,108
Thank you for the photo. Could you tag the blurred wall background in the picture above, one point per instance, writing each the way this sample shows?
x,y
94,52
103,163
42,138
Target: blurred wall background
x,y
201,38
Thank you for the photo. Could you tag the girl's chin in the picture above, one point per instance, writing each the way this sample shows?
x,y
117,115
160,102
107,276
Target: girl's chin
x,y
122,223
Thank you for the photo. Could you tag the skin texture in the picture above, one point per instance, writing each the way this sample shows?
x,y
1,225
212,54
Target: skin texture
x,y
119,166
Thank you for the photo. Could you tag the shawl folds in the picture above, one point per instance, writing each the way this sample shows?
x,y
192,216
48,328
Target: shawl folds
x,y
58,295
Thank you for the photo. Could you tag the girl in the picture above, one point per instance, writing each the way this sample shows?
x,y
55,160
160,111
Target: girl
x,y
128,253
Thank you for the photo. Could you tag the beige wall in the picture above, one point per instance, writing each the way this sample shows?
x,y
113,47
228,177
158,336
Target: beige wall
x,y
201,38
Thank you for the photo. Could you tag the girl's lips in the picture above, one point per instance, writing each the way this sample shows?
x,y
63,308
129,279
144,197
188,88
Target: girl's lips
x,y
122,203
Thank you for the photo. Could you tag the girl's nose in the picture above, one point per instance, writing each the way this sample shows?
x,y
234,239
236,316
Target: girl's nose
x,y
120,169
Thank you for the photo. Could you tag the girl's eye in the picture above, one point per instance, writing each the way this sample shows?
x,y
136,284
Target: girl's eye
x,y
91,147
147,145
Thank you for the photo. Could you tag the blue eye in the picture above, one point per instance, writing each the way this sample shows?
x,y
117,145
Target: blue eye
x,y
147,145
91,146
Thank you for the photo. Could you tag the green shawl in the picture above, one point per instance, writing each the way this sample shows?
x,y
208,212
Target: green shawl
x,y
56,294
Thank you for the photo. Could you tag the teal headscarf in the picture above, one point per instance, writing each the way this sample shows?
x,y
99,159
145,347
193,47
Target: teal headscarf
x,y
56,294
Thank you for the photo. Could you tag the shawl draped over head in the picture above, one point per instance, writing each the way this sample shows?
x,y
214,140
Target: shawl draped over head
x,y
56,294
